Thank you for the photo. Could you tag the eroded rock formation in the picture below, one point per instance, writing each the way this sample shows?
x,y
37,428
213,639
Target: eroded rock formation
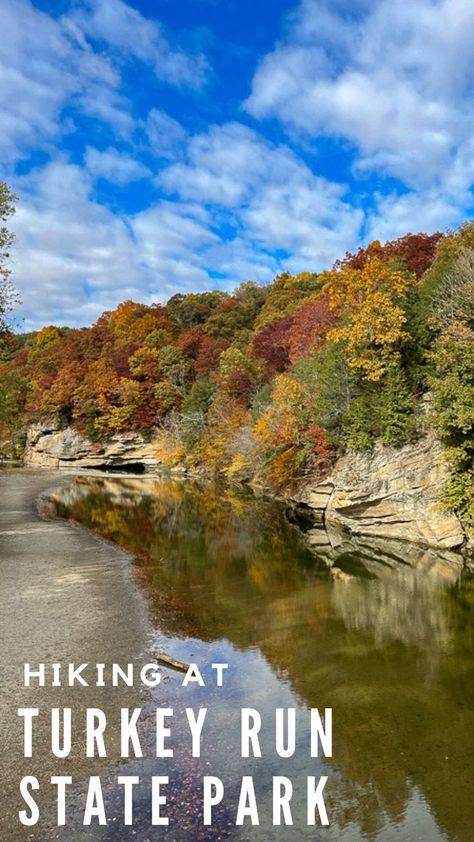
x,y
389,492
49,446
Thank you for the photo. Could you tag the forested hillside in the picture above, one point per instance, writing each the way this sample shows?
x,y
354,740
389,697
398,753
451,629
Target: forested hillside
x,y
274,381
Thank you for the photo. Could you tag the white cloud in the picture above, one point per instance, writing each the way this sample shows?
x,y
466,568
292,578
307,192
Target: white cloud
x,y
116,167
222,166
307,218
127,31
109,107
266,193
43,64
75,257
394,78
77,61
166,136
396,215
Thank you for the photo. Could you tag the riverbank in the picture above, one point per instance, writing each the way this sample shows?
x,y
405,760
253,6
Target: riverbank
x,y
56,582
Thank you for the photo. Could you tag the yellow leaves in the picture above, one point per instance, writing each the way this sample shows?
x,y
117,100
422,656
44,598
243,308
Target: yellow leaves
x,y
279,424
46,337
225,418
167,397
261,428
144,361
116,418
233,359
304,280
168,448
369,304
240,467
284,467
287,391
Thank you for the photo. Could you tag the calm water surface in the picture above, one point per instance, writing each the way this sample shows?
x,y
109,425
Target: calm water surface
x,y
380,632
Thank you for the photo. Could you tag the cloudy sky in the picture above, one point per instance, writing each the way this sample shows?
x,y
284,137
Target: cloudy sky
x,y
180,145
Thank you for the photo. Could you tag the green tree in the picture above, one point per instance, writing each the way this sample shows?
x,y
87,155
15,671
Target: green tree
x,y
194,411
13,394
174,365
396,409
451,319
167,397
335,387
452,383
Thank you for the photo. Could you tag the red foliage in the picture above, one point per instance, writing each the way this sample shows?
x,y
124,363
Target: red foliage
x,y
119,360
310,327
207,358
21,358
417,251
190,342
239,385
271,344
203,349
323,454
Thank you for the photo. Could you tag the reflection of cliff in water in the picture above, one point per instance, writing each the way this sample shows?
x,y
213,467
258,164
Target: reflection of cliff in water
x,y
382,632
393,590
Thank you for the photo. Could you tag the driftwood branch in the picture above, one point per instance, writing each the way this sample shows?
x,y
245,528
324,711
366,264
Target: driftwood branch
x,y
168,661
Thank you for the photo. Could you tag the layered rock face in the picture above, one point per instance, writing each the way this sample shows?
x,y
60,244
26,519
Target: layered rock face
x,y
394,493
49,446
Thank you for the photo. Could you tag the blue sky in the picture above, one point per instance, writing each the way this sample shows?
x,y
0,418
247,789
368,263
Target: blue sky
x,y
162,146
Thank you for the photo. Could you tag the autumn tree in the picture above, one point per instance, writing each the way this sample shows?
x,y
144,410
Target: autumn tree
x,y
174,365
13,394
229,318
202,349
186,311
310,326
209,354
453,301
289,438
167,397
252,296
285,295
194,411
122,413
369,303
145,363
414,252
237,374
225,417
272,344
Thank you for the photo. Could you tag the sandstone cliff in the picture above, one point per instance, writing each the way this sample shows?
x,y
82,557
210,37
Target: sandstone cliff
x,y
49,446
390,493
394,493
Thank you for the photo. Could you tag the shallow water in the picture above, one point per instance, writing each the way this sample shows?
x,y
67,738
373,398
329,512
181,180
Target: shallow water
x,y
381,632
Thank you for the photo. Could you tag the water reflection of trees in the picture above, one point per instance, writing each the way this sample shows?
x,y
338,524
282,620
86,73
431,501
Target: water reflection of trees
x,y
380,632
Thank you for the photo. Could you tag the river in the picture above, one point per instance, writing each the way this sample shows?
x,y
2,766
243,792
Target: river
x,y
381,632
